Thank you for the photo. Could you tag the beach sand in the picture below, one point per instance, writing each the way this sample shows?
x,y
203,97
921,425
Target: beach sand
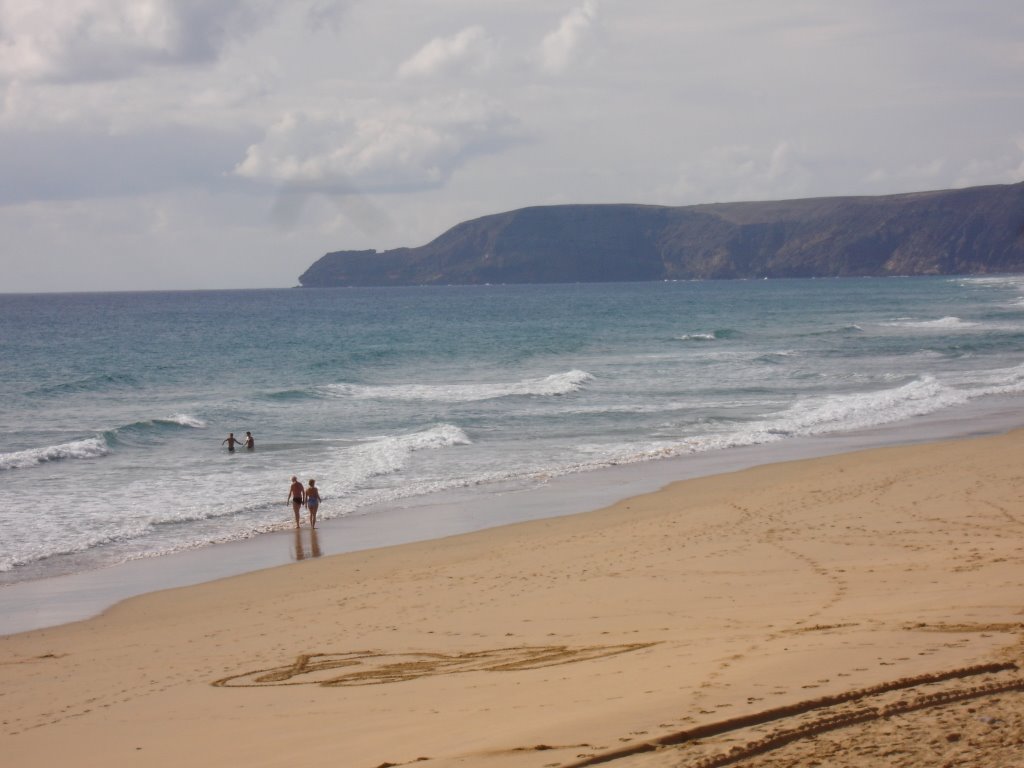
x,y
863,609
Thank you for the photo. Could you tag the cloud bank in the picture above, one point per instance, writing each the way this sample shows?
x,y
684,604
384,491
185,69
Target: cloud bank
x,y
380,149
88,40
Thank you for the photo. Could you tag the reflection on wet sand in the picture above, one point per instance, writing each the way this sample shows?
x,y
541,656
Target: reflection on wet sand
x,y
307,543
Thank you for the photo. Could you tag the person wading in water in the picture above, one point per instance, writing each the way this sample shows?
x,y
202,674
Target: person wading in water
x,y
312,502
296,495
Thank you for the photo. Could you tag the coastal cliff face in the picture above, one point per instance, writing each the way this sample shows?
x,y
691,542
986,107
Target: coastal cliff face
x,y
977,230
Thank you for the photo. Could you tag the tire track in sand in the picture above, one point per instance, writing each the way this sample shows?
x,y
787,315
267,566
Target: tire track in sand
x,y
813,717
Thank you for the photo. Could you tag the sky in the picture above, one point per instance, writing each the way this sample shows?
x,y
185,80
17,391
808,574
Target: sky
x,y
207,144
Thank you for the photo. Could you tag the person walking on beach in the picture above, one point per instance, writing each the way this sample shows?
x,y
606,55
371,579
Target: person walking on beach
x,y
250,442
312,501
296,495
230,440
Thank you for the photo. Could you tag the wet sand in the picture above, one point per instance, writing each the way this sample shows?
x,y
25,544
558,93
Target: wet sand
x,y
857,609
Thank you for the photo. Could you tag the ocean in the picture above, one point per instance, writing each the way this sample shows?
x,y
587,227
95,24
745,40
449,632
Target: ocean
x,y
115,405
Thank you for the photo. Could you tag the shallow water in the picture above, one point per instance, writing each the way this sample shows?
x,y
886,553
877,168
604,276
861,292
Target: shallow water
x,y
116,404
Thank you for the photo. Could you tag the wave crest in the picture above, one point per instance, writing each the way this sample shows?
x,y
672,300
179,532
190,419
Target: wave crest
x,y
90,448
181,420
717,335
387,455
942,324
94,447
547,386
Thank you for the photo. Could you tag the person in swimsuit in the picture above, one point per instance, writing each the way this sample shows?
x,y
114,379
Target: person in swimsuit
x,y
249,442
296,495
230,440
312,501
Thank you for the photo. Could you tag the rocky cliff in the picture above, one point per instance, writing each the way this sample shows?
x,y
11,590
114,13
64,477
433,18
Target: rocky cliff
x,y
964,231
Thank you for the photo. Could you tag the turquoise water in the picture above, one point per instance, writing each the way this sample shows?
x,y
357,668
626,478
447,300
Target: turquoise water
x,y
115,405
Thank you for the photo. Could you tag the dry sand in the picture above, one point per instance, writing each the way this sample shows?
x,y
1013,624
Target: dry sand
x,y
862,610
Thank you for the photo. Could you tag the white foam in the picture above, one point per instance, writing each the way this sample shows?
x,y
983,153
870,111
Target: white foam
x,y
186,420
998,280
941,324
547,386
211,515
823,415
997,381
90,448
867,409
387,455
697,337
41,545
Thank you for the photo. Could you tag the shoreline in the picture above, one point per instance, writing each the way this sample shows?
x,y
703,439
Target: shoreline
x,y
857,608
56,600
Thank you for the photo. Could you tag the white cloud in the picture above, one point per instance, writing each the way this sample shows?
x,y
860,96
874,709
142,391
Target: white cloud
x,y
470,49
401,148
908,177
731,173
1005,168
560,46
82,40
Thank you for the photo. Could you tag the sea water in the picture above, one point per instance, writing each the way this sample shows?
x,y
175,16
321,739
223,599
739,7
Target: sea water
x,y
115,405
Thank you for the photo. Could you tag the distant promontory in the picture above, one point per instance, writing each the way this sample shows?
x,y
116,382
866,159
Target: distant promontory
x,y
978,230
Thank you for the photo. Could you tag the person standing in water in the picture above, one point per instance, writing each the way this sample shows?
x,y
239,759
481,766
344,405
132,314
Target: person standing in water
x,y
249,442
230,440
312,501
296,495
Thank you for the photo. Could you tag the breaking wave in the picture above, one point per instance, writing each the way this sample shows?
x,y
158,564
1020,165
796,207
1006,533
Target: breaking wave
x,y
547,386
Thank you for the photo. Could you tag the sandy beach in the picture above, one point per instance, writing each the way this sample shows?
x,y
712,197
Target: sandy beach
x,y
860,609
